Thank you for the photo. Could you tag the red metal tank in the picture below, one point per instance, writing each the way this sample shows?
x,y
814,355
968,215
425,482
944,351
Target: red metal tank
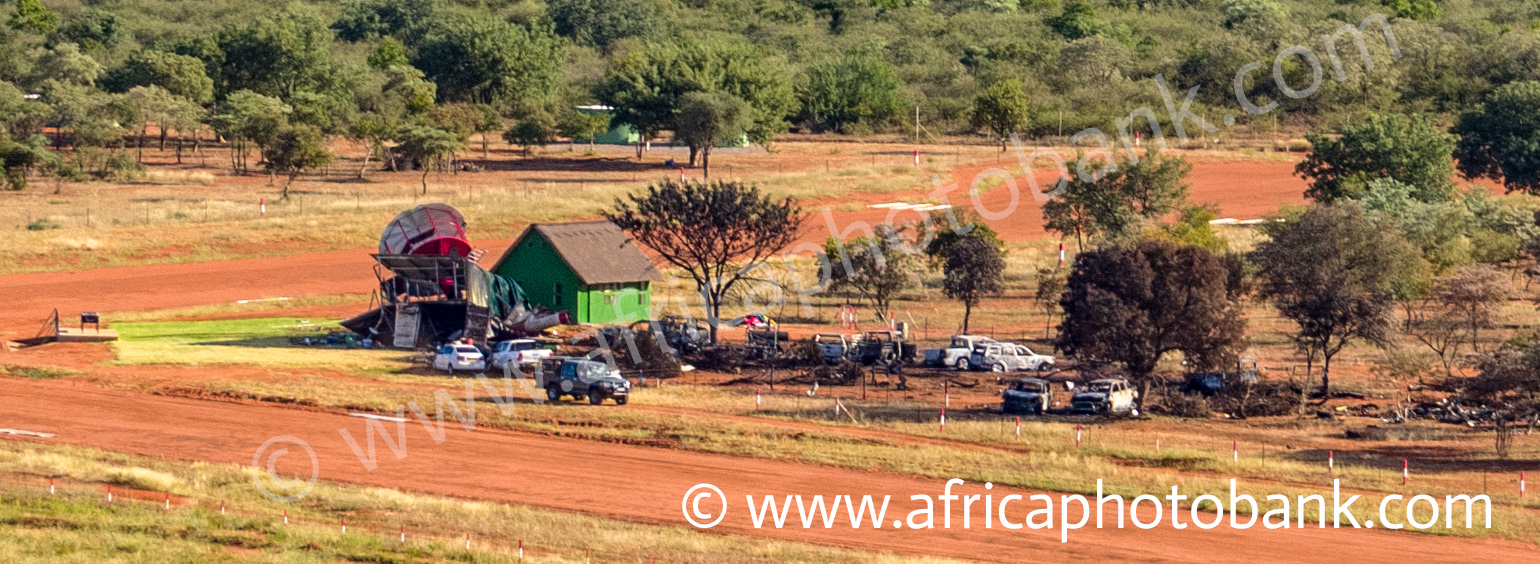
x,y
429,229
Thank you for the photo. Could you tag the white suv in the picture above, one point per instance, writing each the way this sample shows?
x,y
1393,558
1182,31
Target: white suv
x,y
518,351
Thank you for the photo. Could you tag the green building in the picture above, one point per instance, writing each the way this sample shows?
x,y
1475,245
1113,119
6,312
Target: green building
x,y
589,269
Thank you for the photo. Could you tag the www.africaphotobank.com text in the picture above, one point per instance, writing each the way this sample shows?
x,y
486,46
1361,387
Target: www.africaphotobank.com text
x,y
706,506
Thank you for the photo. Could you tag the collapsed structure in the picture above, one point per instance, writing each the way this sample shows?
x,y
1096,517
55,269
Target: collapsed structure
x,y
431,290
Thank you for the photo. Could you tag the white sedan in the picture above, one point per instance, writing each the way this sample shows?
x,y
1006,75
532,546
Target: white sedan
x,y
459,357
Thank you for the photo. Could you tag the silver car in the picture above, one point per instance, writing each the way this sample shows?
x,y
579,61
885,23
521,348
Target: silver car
x,y
1008,357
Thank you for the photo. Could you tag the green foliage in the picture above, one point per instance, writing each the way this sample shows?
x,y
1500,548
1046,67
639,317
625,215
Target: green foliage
x,y
1192,229
528,133
488,61
32,17
93,29
583,125
180,75
1266,12
427,146
707,119
1420,10
20,117
877,267
276,56
950,227
1411,149
646,86
247,119
1003,109
1078,20
368,19
296,149
16,158
1119,204
854,89
390,53
1497,137
598,23
1333,271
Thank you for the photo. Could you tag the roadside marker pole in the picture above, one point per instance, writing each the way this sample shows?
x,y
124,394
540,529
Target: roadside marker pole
x,y
403,534
756,400
50,486
285,516
681,174
916,157
1331,461
943,419
521,541
1061,254
1018,428
1235,452
109,493
344,525
168,502
1406,472
1077,435
221,507
262,207
467,541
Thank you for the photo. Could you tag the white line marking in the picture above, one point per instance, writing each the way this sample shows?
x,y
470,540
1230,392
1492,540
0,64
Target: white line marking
x,y
26,433
378,417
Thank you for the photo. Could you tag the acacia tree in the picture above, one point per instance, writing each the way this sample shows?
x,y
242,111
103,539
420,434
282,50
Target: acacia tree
x,y
708,118
878,268
1050,289
975,269
296,149
1332,271
718,232
1116,204
1497,137
1133,305
427,146
1003,109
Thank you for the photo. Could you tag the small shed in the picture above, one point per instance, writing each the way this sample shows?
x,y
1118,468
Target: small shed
x,y
589,269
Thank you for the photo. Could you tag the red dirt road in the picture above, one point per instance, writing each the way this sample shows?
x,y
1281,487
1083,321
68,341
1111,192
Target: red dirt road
x,y
647,484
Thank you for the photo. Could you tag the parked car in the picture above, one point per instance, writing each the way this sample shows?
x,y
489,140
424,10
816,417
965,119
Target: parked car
x,y
1008,357
581,378
518,351
1210,383
832,346
1108,395
956,354
453,357
1026,395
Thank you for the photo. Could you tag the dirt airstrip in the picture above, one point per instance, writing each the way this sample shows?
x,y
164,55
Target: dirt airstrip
x,y
647,484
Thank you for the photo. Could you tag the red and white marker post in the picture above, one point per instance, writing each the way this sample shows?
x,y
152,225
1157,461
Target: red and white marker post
x,y
1235,452
285,516
403,534
1077,435
262,207
1331,461
1061,254
521,547
756,400
344,525
1406,471
681,174
109,493
50,486
943,419
916,157
1018,428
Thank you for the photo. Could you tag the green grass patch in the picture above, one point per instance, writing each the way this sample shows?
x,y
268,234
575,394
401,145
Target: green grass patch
x,y
34,372
268,342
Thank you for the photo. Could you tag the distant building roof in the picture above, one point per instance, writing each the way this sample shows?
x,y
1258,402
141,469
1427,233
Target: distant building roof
x,y
597,251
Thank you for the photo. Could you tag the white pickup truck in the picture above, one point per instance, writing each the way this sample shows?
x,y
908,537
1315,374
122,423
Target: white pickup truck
x,y
956,354
1008,357
519,351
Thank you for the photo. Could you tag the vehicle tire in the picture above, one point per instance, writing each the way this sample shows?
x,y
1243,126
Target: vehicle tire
x,y
595,398
997,367
621,400
552,394
961,364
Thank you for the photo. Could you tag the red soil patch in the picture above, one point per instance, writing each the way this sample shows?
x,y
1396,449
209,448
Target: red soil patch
x,y
497,466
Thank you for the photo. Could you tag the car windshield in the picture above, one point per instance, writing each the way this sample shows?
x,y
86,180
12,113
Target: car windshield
x,y
467,350
959,343
1027,386
523,346
1099,387
446,350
